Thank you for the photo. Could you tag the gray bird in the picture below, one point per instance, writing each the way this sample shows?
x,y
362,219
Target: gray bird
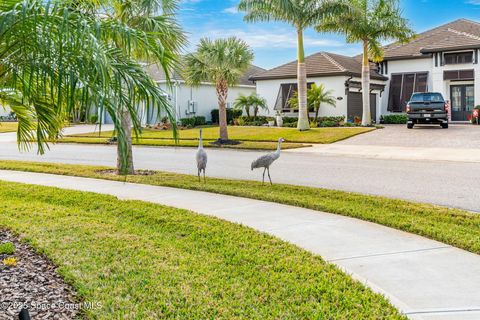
x,y
201,158
266,160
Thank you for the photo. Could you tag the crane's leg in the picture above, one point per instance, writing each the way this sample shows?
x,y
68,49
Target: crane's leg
x,y
268,170
204,180
198,172
263,177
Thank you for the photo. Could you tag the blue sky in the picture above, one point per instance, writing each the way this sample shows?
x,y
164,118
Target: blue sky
x,y
275,43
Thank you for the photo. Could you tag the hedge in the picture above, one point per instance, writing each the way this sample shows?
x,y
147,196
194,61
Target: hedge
x,y
231,114
193,121
394,118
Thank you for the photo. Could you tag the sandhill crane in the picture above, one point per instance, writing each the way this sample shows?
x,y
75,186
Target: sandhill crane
x,y
201,158
266,160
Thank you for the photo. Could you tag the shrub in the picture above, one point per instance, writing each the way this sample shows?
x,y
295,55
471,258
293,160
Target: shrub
x,y
394,118
290,124
328,123
7,248
289,120
93,118
193,121
231,114
338,119
10,262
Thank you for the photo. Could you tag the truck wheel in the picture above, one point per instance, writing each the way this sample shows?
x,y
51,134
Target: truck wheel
x,y
444,125
410,126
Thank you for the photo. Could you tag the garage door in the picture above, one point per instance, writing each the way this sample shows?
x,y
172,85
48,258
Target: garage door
x,y
354,105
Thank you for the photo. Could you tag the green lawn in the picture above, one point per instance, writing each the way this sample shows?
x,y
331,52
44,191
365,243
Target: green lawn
x,y
8,127
146,261
251,137
452,226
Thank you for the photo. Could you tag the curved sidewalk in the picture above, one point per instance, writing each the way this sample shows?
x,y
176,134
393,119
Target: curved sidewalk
x,y
425,279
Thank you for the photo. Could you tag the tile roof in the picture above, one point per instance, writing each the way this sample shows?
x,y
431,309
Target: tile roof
x,y
158,75
459,34
318,65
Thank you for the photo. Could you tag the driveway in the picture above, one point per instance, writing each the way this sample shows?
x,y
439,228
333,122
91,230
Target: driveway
x,y
457,136
459,143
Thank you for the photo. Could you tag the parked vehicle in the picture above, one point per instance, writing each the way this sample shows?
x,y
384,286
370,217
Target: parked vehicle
x,y
427,108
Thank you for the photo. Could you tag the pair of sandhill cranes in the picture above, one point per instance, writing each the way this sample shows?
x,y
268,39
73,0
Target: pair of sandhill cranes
x,y
264,161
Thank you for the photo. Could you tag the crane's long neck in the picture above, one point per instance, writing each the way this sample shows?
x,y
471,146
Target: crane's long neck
x,y
279,147
200,142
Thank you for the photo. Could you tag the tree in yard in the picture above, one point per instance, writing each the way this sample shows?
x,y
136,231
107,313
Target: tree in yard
x,y
369,22
252,101
55,56
221,62
316,95
301,14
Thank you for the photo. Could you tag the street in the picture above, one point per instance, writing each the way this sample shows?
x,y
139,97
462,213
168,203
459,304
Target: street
x,y
443,183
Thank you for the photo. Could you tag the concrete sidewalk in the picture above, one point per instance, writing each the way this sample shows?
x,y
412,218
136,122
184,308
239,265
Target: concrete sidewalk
x,y
423,278
75,129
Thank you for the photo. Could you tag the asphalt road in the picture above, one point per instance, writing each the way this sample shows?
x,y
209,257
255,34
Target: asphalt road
x,y
452,184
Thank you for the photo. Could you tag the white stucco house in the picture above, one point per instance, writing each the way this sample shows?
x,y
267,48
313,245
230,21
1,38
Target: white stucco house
x,y
197,101
444,59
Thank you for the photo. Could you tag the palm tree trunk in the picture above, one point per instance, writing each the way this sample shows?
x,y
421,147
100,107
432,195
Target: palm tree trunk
x,y
303,123
366,117
222,93
125,161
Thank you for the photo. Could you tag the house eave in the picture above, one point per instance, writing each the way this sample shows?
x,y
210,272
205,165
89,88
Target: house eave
x,y
408,57
433,50
316,75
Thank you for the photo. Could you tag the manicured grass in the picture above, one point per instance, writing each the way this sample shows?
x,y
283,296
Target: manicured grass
x,y
8,127
452,226
250,145
146,261
315,135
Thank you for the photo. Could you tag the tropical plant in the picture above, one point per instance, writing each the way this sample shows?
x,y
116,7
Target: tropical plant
x,y
369,22
316,95
301,15
252,101
243,103
57,55
221,62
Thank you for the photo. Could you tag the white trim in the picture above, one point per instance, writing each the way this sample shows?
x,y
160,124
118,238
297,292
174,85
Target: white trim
x,y
208,84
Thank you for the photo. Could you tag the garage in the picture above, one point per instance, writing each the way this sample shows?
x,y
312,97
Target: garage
x,y
354,105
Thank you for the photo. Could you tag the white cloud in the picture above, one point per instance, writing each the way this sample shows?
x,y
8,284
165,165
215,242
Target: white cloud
x,y
258,38
231,10
474,2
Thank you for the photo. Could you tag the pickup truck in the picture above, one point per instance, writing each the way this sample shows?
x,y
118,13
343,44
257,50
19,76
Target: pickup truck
x,y
427,108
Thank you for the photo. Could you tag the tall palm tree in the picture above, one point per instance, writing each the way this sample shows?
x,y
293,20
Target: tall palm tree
x,y
163,40
301,14
56,55
369,22
221,62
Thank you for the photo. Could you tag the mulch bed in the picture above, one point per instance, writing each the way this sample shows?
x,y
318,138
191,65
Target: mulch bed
x,y
33,284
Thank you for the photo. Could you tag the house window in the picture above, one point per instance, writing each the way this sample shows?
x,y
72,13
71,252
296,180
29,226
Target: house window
x,y
402,86
287,91
458,75
458,57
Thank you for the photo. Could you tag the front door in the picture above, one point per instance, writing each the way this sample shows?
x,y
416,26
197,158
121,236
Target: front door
x,y
462,101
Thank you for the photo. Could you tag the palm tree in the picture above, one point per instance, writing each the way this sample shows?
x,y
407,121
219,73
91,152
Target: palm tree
x,y
253,101
243,103
163,39
369,22
54,56
316,95
301,15
221,62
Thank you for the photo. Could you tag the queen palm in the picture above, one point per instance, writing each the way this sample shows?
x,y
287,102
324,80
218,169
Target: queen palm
x,y
301,14
221,62
54,56
369,22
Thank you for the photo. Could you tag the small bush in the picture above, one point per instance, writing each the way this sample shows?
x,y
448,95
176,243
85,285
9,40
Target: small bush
x,y
289,120
337,119
231,114
290,124
394,118
10,262
93,118
7,248
193,121
328,123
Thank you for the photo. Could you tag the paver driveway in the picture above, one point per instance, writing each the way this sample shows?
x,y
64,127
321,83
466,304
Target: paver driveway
x,y
457,136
